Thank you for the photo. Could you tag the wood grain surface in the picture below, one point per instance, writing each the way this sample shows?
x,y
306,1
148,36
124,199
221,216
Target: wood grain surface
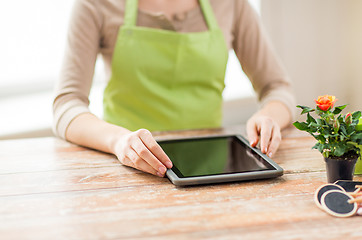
x,y
52,189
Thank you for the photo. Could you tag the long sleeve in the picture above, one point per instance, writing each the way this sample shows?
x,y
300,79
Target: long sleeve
x,y
257,58
77,71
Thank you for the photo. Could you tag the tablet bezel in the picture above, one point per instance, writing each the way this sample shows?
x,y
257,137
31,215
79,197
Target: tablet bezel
x,y
223,177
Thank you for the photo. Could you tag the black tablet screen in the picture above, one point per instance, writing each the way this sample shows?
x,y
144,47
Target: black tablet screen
x,y
210,156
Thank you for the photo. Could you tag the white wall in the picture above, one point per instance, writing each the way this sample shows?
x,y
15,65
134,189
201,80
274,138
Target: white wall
x,y
319,42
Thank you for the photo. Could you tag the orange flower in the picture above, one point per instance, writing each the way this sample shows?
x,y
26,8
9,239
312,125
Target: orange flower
x,y
325,102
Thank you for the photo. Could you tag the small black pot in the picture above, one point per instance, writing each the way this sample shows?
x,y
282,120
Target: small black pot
x,y
340,169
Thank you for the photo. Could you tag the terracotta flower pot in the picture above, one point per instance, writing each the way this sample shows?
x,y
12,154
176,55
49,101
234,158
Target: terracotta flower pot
x,y
340,169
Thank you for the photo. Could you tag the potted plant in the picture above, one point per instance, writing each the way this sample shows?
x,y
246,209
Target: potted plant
x,y
337,137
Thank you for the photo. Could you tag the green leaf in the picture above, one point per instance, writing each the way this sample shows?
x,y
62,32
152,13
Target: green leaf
x,y
326,133
314,124
302,107
319,121
350,130
352,143
343,129
356,116
320,138
339,109
313,127
343,136
356,137
301,126
338,151
305,109
319,146
310,119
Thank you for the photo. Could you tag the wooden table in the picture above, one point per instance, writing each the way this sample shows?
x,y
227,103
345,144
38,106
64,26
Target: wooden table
x,y
51,189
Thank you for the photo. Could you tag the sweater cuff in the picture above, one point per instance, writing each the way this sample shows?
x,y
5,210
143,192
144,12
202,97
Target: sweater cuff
x,y
64,116
284,97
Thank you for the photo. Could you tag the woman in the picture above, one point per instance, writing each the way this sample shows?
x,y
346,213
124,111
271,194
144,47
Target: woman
x,y
166,63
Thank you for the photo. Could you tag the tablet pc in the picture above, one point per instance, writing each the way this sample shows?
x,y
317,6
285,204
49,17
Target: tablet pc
x,y
216,159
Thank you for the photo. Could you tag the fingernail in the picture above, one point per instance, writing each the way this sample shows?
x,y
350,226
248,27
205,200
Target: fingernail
x,y
169,164
270,154
159,174
265,150
162,170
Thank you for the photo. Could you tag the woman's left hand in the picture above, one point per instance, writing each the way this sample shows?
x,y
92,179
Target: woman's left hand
x,y
265,130
265,126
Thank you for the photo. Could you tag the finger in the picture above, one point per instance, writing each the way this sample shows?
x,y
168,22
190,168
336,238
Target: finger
x,y
252,132
140,164
265,135
144,153
126,161
148,140
275,141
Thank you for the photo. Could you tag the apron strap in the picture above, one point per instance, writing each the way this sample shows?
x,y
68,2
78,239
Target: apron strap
x,y
209,14
130,15
131,9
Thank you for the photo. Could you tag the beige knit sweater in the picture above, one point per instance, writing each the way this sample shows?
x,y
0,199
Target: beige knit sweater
x,y
93,30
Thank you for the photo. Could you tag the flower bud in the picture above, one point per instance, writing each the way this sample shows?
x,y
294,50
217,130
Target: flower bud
x,y
336,126
348,119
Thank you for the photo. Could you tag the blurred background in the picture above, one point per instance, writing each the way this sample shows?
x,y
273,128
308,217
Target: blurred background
x,y
319,42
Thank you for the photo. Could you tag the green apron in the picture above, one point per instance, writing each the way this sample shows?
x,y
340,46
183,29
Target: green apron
x,y
164,80
358,167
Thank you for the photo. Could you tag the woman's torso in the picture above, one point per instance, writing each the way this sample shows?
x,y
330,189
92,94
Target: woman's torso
x,y
190,21
166,80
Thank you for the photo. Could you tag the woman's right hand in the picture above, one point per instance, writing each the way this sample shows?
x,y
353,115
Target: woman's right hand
x,y
141,151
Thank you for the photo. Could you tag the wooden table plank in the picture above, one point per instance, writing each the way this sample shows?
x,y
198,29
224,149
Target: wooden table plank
x,y
164,194
75,179
101,177
53,189
49,154
61,166
166,210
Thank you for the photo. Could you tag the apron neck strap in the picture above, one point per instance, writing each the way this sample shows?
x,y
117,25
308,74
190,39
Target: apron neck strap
x,y
208,14
131,9
130,15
